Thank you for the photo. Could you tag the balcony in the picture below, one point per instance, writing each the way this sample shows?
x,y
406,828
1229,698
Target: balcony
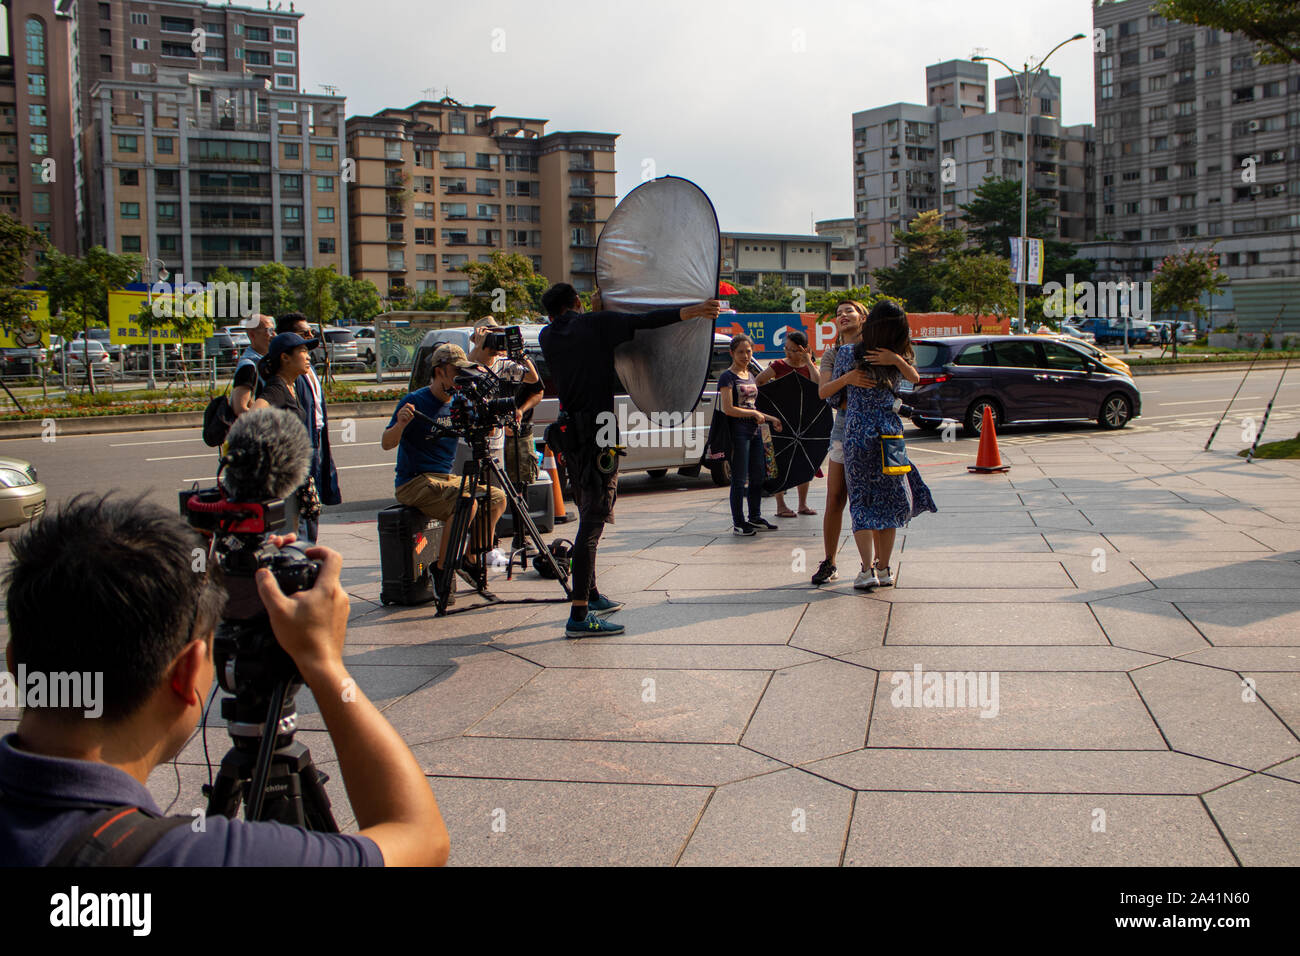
x,y
392,211
236,225
579,166
582,190
257,192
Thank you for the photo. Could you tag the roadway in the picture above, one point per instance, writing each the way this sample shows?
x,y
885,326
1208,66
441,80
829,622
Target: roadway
x,y
158,464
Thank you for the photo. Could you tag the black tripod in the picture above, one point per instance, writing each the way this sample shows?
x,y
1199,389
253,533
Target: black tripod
x,y
479,473
265,767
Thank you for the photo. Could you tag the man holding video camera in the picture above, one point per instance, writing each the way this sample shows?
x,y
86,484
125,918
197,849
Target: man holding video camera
x,y
579,349
107,585
490,349
424,462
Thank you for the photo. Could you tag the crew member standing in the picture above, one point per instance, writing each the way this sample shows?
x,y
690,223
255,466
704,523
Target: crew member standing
x,y
579,349
312,400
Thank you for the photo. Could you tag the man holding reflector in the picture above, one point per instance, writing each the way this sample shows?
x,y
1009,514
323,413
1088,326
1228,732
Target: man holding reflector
x,y
579,349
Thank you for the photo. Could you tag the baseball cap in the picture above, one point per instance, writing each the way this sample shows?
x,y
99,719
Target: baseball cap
x,y
285,342
450,354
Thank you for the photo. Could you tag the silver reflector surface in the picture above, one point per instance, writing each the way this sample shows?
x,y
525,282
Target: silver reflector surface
x,y
661,248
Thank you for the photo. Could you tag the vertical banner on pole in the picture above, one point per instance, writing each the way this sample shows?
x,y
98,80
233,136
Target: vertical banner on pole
x,y
1026,261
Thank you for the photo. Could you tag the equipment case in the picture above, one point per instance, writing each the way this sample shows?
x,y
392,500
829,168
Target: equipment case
x,y
408,550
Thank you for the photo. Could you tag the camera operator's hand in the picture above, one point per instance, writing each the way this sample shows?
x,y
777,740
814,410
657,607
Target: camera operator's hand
x,y
310,625
405,414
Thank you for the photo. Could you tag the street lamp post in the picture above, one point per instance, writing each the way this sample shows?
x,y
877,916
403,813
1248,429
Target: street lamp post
x,y
162,277
1025,92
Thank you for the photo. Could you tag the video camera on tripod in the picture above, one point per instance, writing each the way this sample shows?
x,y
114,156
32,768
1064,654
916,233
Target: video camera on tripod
x,y
478,407
267,459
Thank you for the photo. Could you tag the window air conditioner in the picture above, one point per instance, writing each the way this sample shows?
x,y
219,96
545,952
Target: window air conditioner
x,y
1253,126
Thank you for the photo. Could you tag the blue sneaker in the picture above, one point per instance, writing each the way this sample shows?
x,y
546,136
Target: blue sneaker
x,y
603,605
591,626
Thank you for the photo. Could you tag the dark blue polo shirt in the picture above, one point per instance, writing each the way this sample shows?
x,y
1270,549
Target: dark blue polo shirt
x,y
32,832
416,454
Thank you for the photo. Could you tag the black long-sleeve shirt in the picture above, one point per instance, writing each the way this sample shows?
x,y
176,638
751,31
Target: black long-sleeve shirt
x,y
579,349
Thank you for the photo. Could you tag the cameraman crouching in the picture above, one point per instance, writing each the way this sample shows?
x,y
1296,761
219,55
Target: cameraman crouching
x,y
424,478
106,586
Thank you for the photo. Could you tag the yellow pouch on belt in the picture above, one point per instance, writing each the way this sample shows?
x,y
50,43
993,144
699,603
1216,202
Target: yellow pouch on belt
x,y
893,454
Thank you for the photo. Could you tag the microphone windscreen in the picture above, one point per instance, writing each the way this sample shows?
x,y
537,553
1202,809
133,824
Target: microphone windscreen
x,y
268,454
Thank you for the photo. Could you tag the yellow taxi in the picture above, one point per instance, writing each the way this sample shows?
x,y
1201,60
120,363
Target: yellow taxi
x,y
1101,355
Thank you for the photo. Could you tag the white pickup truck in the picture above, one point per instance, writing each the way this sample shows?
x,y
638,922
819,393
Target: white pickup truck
x,y
652,446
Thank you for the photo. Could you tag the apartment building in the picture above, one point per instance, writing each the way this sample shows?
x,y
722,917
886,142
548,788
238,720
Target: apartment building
x,y
1197,145
40,162
910,158
440,184
218,169
131,40
801,262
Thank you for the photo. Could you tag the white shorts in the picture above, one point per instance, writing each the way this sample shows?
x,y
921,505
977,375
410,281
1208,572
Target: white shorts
x,y
837,452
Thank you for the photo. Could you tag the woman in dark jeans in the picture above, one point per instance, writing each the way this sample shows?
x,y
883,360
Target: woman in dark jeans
x,y
748,466
288,357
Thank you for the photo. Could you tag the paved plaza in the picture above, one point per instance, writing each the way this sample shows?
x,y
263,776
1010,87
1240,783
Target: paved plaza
x,y
1123,610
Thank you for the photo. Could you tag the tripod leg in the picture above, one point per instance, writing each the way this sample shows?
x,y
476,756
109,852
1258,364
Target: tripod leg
x,y
228,789
534,535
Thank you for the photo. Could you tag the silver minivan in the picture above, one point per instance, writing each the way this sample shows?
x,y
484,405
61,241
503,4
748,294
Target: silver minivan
x,y
652,446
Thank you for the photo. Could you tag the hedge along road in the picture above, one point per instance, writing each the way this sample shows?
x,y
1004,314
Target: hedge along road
x,y
159,463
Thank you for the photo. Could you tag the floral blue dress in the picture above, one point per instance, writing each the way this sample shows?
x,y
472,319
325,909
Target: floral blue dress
x,y
876,500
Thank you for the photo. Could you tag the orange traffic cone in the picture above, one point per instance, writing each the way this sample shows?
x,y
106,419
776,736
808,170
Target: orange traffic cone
x,y
548,464
987,459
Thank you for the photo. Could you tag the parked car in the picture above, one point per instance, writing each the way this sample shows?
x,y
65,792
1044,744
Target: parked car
x,y
339,347
22,497
22,363
1020,378
224,347
1186,332
653,451
101,336
82,356
365,340
1072,330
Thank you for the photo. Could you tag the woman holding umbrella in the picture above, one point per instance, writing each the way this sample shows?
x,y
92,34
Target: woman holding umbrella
x,y
748,466
798,360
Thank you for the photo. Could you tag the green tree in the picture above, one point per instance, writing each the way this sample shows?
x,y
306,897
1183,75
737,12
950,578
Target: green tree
x,y
314,290
824,302
770,295
17,244
1181,279
400,298
430,300
79,287
358,299
979,284
275,290
993,218
1273,24
919,275
506,287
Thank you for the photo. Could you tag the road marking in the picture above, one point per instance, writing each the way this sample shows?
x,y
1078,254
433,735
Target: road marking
x,y
211,454
382,464
169,441
935,451
1208,401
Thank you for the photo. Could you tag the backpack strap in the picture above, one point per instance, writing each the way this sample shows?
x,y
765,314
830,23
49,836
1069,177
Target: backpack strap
x,y
118,836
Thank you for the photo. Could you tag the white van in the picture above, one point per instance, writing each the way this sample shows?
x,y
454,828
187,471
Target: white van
x,y
651,447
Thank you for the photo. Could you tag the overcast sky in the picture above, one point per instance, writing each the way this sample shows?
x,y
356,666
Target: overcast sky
x,y
752,100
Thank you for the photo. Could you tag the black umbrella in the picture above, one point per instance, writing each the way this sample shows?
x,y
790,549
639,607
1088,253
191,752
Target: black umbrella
x,y
805,436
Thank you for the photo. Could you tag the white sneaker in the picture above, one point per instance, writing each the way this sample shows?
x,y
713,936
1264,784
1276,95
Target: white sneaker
x,y
866,580
884,577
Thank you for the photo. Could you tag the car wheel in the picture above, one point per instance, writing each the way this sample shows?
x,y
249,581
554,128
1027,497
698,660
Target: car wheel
x,y
975,415
721,473
926,426
1116,410
656,473
369,357
689,471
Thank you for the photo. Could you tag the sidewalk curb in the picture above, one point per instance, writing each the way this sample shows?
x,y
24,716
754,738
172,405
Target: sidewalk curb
x,y
101,424
1203,367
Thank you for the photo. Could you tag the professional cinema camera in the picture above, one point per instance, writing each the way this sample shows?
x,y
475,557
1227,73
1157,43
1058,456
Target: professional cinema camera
x,y
268,453
478,408
509,340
